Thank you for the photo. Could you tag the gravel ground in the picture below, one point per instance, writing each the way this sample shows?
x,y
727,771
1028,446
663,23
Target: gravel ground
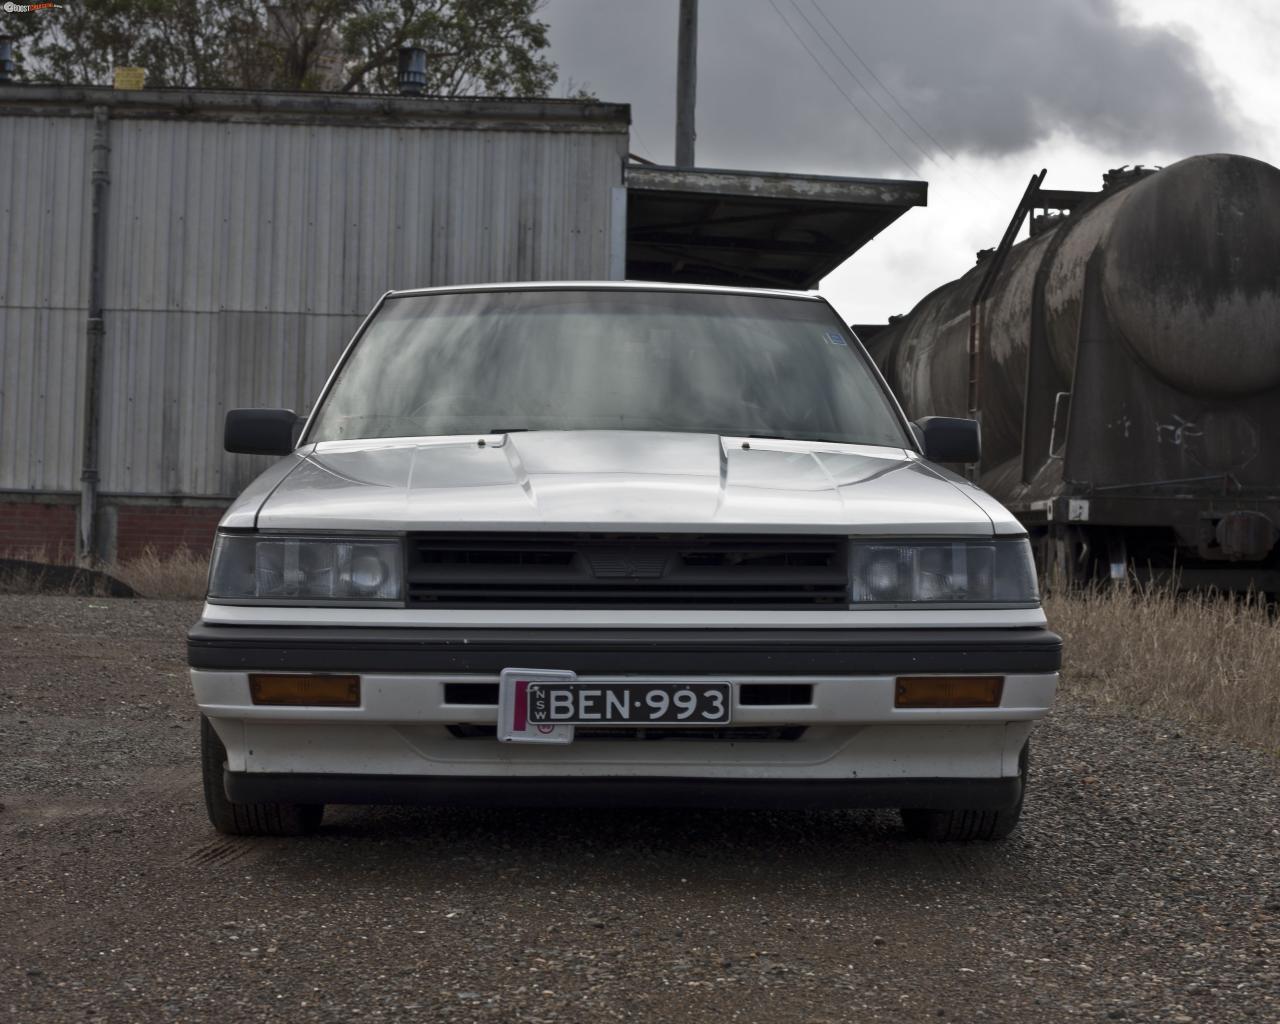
x,y
1143,884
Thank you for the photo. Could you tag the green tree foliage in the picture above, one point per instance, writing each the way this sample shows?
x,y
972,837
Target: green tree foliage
x,y
474,47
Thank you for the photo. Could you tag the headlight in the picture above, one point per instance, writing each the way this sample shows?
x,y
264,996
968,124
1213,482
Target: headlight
x,y
281,568
944,572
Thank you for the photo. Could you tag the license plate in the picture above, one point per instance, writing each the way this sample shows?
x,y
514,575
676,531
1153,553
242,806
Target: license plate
x,y
544,705
587,703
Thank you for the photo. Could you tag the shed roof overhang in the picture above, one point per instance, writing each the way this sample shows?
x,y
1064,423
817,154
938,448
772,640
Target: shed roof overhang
x,y
705,226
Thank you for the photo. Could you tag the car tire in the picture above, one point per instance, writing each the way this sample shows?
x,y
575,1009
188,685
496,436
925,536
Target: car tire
x,y
967,824
259,819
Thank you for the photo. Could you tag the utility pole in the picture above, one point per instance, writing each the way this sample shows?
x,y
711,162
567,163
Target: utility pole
x,y
686,82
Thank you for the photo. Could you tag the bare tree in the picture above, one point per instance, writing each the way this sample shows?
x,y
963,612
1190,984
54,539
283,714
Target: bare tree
x,y
475,47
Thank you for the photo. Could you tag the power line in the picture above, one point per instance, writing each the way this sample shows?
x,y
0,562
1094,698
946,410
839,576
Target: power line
x,y
888,91
840,89
861,85
643,145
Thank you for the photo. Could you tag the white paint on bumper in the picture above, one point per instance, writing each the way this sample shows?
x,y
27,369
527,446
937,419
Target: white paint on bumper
x,y
853,731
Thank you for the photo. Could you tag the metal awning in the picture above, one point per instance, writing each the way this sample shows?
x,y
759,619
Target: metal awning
x,y
706,226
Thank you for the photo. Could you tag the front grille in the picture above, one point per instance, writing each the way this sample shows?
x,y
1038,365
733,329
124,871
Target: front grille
x,y
599,570
729,734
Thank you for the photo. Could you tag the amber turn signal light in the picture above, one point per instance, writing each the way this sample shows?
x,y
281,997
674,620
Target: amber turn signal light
x,y
312,691
948,691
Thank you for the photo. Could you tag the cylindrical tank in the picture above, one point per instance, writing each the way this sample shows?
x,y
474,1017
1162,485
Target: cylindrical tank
x,y
1190,274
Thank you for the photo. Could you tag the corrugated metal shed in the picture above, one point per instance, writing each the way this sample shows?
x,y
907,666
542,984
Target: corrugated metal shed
x,y
44,273
246,236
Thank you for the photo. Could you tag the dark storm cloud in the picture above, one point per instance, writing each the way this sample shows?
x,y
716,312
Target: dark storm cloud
x,y
999,75
989,77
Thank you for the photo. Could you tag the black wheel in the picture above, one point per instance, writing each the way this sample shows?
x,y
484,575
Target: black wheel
x,y
962,825
266,819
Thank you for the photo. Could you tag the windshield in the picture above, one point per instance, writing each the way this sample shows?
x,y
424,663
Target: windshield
x,y
607,359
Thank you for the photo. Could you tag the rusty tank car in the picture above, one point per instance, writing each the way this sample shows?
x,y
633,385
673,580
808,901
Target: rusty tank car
x,y
1124,362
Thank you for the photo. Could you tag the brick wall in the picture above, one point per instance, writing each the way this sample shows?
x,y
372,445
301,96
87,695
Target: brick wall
x,y
36,530
163,528
47,530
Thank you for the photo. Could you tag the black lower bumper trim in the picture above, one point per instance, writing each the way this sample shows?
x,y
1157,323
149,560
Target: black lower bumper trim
x,y
666,651
623,791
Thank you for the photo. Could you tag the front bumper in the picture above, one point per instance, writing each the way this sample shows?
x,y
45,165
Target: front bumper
x,y
412,739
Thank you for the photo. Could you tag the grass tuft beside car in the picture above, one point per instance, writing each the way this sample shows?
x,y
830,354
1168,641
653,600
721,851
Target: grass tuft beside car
x,y
616,543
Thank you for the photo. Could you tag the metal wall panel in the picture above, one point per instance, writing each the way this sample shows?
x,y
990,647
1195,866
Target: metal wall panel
x,y
240,257
41,380
300,218
171,377
44,295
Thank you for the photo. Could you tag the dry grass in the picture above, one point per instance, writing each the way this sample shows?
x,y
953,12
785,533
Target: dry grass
x,y
57,554
39,570
20,576
1204,659
178,575
182,574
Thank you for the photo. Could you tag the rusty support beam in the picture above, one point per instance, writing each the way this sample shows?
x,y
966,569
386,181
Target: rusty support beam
x,y
994,263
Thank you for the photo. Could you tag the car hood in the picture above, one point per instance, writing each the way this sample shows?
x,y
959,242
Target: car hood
x,y
601,480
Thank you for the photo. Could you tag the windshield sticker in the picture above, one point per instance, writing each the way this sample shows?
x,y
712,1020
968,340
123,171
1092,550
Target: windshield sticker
x,y
836,338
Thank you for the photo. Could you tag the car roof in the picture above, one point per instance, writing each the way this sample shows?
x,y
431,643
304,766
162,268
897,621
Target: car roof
x,y
666,286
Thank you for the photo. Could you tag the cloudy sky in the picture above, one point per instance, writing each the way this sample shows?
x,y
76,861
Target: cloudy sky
x,y
973,96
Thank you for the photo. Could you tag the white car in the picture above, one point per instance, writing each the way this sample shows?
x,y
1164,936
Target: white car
x,y
556,544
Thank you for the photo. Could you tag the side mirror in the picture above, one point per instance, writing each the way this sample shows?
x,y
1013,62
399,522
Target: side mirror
x,y
261,431
949,439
